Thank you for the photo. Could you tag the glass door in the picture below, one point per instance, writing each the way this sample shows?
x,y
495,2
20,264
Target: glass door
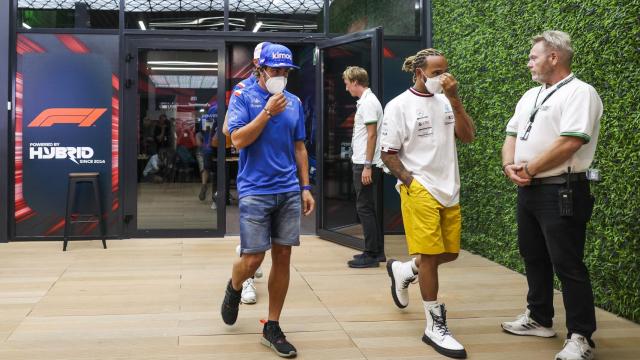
x,y
337,217
174,93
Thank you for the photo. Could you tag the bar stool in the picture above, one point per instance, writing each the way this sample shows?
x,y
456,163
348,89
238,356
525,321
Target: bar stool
x,y
96,217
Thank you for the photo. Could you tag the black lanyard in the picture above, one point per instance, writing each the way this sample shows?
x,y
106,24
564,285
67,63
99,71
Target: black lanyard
x,y
532,117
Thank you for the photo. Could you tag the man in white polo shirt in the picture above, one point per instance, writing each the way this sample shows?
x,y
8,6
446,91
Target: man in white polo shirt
x,y
550,144
365,158
418,144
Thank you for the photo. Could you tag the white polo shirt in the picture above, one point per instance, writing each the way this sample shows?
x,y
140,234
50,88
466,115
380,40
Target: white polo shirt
x,y
422,130
369,111
574,109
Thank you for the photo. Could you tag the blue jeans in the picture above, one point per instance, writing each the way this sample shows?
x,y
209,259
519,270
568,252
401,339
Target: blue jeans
x,y
269,219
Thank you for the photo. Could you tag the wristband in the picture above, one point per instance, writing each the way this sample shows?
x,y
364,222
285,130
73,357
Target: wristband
x,y
526,170
367,164
306,187
268,112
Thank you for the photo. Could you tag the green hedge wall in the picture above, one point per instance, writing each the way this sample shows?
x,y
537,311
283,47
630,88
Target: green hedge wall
x,y
487,44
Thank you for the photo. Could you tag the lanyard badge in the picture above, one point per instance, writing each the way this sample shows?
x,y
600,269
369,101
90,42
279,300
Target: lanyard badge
x,y
535,110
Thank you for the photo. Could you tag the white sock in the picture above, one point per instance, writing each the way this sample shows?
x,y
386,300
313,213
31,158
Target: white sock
x,y
414,267
428,305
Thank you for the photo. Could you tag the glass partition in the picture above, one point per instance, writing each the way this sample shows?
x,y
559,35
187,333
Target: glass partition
x,y
398,17
276,15
177,122
175,15
96,14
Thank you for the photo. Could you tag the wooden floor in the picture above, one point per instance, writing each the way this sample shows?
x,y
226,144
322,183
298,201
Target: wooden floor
x,y
160,299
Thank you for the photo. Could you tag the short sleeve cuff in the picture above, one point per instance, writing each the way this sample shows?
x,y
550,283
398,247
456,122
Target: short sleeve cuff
x,y
583,136
512,133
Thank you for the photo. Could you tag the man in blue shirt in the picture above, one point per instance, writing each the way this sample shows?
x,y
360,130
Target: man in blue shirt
x,y
266,124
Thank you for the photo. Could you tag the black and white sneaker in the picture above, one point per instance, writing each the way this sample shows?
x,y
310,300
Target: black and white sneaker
x,y
230,304
437,334
525,325
273,337
576,348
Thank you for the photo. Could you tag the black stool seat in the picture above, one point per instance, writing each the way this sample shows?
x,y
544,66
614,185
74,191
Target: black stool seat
x,y
95,217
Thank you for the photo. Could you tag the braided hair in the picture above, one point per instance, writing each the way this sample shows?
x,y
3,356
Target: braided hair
x,y
419,60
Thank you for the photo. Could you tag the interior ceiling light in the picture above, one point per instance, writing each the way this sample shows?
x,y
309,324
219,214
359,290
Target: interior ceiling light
x,y
180,63
183,68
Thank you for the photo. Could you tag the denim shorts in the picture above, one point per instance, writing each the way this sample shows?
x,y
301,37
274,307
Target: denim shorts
x,y
269,219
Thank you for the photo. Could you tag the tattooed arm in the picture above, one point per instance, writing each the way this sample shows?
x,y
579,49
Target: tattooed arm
x,y
393,163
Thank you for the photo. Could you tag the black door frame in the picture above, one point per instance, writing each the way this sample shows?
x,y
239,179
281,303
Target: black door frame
x,y
128,145
375,82
5,112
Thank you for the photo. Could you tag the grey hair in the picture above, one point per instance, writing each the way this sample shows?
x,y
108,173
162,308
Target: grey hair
x,y
556,40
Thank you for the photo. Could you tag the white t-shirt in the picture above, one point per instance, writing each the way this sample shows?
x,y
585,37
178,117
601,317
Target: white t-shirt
x,y
369,111
421,129
574,109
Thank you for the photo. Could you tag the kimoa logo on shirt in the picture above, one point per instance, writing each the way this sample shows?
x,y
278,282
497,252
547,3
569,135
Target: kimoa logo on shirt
x,y
279,56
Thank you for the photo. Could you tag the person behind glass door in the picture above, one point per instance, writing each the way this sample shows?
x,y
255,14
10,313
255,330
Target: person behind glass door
x,y
551,141
366,158
418,146
267,124
204,154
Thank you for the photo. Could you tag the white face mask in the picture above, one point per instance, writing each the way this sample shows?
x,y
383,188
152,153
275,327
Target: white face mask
x,y
433,85
276,84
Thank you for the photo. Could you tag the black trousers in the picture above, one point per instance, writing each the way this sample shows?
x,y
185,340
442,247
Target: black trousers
x,y
551,242
366,208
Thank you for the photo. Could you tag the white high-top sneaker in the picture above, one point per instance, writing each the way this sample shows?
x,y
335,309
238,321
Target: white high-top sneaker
x,y
259,272
401,276
248,295
576,348
437,334
525,325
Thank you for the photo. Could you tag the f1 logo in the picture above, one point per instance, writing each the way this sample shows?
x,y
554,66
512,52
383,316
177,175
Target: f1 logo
x,y
84,117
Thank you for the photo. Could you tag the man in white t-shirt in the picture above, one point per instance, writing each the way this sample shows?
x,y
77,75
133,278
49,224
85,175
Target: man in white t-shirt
x,y
550,144
366,174
419,147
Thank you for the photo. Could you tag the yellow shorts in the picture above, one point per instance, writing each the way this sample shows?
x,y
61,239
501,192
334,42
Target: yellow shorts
x,y
430,228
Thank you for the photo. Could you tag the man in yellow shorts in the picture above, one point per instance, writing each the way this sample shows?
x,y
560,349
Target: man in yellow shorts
x,y
418,144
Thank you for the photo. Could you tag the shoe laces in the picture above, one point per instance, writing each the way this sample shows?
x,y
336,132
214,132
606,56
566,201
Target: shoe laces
x,y
277,335
440,322
410,280
249,284
524,319
579,345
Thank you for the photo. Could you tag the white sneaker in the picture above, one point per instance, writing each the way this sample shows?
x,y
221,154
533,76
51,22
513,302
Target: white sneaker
x,y
576,348
524,325
248,295
437,334
259,272
401,276
213,206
